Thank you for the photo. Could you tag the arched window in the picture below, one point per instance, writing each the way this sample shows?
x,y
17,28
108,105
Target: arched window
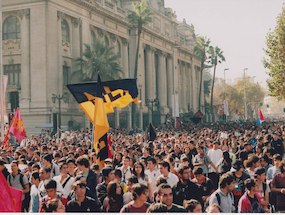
x,y
65,31
11,28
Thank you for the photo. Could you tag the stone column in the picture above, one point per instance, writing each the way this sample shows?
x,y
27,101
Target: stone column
x,y
76,37
25,64
149,83
129,116
162,89
60,16
170,81
180,87
125,58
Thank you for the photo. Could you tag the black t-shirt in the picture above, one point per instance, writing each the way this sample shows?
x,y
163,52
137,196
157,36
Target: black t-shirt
x,y
89,205
256,208
177,209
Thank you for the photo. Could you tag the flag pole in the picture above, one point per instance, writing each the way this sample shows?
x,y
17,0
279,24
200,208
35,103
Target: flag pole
x,y
1,78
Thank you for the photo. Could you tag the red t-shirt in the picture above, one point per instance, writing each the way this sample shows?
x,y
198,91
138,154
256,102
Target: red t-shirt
x,y
129,208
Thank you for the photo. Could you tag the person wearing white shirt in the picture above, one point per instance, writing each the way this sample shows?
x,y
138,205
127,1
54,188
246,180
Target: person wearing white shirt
x,y
35,193
171,178
64,179
152,173
45,173
126,169
215,154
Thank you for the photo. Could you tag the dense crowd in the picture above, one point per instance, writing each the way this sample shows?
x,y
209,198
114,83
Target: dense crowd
x,y
197,168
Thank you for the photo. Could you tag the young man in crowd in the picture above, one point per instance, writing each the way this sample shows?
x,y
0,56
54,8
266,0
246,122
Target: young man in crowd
x,y
171,178
185,188
165,196
35,193
152,172
83,165
81,202
20,181
224,196
108,176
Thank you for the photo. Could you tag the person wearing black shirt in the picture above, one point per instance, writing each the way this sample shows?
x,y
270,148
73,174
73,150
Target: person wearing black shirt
x,y
81,202
243,154
277,145
165,196
186,189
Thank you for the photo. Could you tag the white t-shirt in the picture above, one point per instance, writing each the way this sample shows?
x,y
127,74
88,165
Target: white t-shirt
x,y
67,185
152,177
172,179
215,156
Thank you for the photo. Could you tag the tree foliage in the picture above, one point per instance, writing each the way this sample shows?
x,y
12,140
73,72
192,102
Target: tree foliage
x,y
201,50
101,60
234,94
274,61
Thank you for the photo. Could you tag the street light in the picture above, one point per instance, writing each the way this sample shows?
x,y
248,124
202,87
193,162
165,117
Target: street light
x,y
150,103
141,108
59,98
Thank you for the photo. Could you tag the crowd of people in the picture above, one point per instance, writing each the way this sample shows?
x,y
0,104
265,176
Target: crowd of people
x,y
198,168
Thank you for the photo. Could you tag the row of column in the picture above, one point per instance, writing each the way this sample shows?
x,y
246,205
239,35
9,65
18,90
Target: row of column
x,y
169,81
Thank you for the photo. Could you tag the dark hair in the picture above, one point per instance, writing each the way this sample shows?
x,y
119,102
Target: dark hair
x,y
78,183
61,165
190,205
277,157
251,160
51,205
47,169
50,184
157,208
111,190
163,186
138,190
37,166
249,183
160,181
133,180
226,179
36,175
182,168
83,161
15,162
151,159
198,171
165,164
118,173
142,173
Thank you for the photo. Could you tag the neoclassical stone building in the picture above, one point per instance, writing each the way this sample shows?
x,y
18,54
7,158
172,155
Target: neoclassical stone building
x,y
42,39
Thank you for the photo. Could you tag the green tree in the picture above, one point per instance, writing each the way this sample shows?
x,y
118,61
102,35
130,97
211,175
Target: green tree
x,y
216,57
99,59
201,50
138,18
274,61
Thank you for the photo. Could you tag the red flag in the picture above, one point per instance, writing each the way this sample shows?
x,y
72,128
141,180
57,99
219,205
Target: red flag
x,y
10,198
17,127
110,154
6,140
260,115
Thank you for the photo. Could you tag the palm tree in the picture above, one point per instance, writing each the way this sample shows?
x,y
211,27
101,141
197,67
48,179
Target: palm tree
x,y
216,57
99,59
138,18
201,50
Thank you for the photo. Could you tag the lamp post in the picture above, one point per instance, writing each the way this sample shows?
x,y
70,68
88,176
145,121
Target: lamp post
x,y
225,116
59,97
150,104
141,113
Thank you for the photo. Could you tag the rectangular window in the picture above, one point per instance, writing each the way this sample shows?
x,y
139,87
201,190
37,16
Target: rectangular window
x,y
66,71
14,74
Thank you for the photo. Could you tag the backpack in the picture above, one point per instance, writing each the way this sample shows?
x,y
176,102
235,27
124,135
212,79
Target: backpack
x,y
219,199
26,201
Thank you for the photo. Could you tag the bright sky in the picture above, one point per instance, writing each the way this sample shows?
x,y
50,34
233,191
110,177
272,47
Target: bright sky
x,y
238,27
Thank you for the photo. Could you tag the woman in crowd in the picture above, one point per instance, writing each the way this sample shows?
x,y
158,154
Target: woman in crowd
x,y
114,200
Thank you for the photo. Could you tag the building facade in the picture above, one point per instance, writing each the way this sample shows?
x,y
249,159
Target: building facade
x,y
43,38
